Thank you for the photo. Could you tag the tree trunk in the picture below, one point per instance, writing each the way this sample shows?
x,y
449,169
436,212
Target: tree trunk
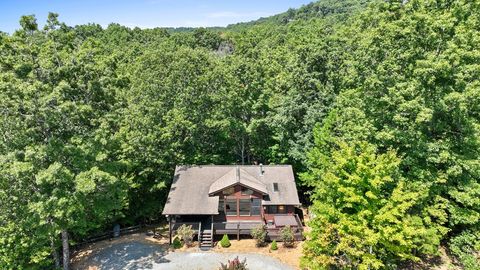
x,y
56,257
66,250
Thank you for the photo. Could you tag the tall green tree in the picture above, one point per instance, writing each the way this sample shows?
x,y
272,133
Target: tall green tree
x,y
416,90
362,209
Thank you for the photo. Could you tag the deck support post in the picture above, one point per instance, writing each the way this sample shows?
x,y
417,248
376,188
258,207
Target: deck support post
x,y
199,234
170,229
211,231
238,231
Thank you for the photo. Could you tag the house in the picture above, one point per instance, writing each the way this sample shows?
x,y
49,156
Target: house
x,y
233,199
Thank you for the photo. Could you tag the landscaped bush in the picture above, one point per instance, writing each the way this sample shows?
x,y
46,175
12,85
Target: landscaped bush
x,y
225,242
274,245
186,233
259,233
177,243
287,236
234,264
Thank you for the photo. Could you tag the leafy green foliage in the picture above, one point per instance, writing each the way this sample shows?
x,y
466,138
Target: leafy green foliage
x,y
259,233
287,236
407,93
176,243
225,242
362,209
93,122
274,245
465,247
185,233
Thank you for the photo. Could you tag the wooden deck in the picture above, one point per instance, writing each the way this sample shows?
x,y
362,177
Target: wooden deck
x,y
239,228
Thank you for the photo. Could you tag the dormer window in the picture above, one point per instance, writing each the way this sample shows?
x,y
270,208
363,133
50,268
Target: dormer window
x,y
275,187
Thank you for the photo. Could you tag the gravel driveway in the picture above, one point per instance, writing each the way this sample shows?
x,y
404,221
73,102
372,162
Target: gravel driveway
x,y
137,255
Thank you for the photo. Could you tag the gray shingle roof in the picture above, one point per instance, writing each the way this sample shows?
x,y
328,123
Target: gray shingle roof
x,y
191,186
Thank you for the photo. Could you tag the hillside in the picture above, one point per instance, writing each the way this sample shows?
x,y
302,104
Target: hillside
x,y
376,107
333,9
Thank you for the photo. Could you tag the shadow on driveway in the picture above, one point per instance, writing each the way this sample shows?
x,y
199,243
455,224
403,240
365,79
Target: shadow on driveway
x,y
133,255
136,255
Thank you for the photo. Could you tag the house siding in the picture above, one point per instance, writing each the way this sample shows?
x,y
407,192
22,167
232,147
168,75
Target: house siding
x,y
238,195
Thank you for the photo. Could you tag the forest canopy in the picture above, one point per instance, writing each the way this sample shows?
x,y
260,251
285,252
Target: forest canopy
x,y
376,104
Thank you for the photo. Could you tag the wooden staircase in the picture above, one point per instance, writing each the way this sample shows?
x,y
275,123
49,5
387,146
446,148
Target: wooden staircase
x,y
206,239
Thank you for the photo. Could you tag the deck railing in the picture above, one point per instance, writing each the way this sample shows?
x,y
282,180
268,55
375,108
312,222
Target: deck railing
x,y
299,222
237,227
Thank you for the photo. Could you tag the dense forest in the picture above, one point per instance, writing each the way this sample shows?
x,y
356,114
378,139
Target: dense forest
x,y
376,104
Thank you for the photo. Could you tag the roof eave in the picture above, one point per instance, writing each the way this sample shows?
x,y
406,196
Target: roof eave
x,y
210,193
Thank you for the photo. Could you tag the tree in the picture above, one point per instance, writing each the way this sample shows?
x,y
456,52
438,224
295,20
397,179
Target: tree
x,y
362,210
392,85
67,186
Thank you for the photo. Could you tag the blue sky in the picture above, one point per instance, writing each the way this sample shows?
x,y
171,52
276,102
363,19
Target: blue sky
x,y
143,13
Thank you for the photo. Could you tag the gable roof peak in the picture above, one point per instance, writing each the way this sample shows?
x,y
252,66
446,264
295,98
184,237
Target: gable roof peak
x,y
237,176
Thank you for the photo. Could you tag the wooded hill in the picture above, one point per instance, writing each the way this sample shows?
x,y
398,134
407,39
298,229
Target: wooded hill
x,y
377,106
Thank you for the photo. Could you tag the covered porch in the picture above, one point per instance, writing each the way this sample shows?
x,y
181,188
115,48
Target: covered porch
x,y
215,226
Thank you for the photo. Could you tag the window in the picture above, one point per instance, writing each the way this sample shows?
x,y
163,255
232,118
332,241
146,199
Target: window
x,y
256,204
272,209
275,187
231,207
221,205
276,209
244,207
246,191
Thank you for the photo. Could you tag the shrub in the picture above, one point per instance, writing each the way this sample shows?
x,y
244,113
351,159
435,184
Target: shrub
x,y
274,245
225,242
259,233
177,243
186,233
234,264
465,247
287,236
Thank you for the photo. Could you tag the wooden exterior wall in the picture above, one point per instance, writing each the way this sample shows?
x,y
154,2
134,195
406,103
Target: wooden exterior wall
x,y
264,213
238,195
